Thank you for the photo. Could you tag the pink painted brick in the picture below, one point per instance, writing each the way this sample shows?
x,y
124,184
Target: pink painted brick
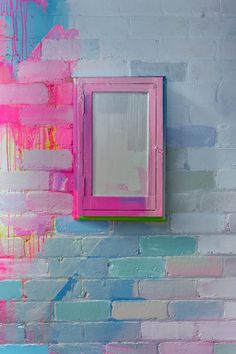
x,y
185,348
217,288
43,71
168,330
9,114
50,203
6,74
23,94
64,94
137,348
25,268
47,160
194,266
27,224
64,137
61,49
219,331
46,115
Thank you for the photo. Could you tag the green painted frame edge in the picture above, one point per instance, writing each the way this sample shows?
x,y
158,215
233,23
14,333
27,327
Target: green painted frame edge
x,y
124,218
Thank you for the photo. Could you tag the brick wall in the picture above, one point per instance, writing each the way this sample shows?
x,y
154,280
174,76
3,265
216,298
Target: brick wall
x,y
89,287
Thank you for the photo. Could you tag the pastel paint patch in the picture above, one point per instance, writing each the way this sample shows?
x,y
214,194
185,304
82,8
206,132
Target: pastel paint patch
x,y
63,182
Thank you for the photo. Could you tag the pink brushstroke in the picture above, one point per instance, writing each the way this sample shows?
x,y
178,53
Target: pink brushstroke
x,y
57,32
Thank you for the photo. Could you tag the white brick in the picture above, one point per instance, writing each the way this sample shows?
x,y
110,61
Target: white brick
x,y
226,136
218,201
227,48
207,114
217,331
183,49
24,180
114,7
226,179
126,49
47,160
217,288
155,27
177,159
185,93
101,27
168,330
211,159
214,71
69,49
230,310
213,27
101,68
177,115
228,7
197,222
217,244
191,7
226,97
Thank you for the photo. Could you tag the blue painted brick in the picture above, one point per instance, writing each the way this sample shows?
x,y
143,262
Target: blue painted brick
x,y
68,225
110,247
85,310
24,349
82,267
167,246
196,310
54,333
112,332
10,290
135,229
110,289
192,136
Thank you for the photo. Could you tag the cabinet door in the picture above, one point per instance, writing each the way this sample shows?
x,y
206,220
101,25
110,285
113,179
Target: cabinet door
x,y
122,144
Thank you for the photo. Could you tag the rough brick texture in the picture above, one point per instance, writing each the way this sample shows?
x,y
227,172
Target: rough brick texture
x,y
103,287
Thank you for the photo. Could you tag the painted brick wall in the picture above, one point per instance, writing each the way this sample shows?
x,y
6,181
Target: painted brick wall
x,y
69,287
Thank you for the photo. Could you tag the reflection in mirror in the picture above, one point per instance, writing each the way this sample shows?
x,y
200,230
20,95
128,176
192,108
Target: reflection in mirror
x,y
120,143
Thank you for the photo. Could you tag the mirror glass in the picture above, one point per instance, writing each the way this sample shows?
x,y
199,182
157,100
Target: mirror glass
x,y
120,143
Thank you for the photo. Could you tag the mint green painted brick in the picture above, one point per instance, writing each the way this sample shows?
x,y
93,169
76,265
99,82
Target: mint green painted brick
x,y
167,246
225,349
83,311
137,267
10,290
179,181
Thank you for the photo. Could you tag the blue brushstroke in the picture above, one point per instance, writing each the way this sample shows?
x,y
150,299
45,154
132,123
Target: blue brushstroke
x,y
68,287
